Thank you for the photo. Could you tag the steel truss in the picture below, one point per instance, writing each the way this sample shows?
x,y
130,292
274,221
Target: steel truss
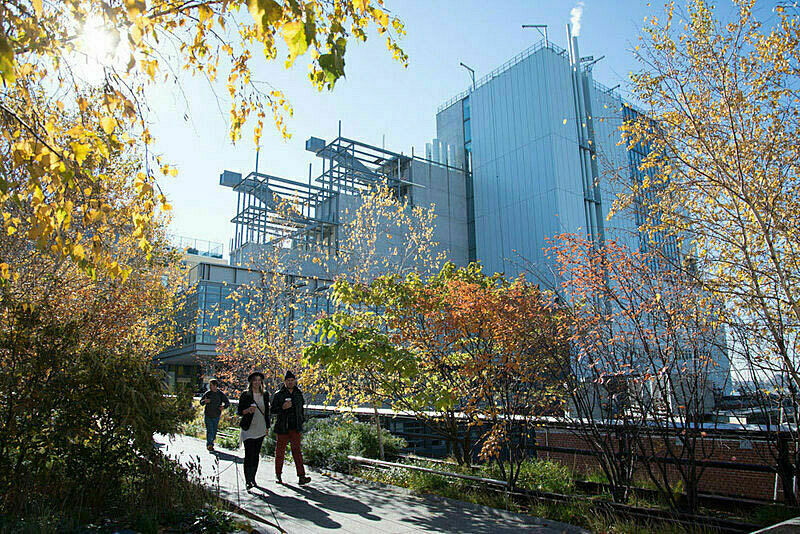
x,y
271,209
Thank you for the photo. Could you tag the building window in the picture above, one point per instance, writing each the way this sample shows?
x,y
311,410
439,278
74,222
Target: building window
x,y
467,114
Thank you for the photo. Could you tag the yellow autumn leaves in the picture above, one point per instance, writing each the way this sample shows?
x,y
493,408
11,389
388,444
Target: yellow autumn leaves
x,y
722,167
59,135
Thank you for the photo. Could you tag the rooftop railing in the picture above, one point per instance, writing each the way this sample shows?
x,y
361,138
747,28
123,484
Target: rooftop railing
x,y
200,247
504,67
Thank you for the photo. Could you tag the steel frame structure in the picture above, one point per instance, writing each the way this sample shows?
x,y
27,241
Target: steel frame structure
x,y
272,209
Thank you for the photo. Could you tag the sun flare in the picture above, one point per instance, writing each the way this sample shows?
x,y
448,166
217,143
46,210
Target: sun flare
x,y
101,48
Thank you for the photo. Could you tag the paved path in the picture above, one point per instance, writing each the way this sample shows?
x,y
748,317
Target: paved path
x,y
343,503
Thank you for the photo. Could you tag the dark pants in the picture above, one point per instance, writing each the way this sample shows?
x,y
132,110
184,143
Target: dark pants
x,y
252,450
292,437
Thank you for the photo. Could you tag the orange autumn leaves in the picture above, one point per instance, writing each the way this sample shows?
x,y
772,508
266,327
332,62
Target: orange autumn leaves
x,y
461,343
634,313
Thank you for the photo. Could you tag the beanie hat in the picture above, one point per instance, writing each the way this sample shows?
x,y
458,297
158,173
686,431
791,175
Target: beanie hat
x,y
289,375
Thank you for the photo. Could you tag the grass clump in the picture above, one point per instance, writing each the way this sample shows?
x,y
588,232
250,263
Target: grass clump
x,y
772,514
230,440
538,475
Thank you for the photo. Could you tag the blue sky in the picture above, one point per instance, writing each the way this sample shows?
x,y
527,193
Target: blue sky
x,y
378,97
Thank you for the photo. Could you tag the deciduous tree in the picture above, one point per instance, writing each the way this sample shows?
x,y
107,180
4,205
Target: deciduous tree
x,y
722,167
136,47
81,398
459,351
649,359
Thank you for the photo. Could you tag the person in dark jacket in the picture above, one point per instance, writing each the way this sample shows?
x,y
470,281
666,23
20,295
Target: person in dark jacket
x,y
214,401
254,409
287,404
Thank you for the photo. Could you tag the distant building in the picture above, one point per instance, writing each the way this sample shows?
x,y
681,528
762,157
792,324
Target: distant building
x,y
211,285
211,280
540,137
321,207
541,141
525,154
198,250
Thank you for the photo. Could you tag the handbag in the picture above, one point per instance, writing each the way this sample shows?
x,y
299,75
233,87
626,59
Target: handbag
x,y
247,419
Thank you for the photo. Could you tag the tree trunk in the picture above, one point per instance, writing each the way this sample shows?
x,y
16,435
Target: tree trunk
x,y
380,431
786,472
692,491
466,448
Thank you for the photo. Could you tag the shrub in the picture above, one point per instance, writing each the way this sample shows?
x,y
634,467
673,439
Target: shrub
x,y
196,426
539,475
155,491
230,441
229,418
328,442
81,398
193,428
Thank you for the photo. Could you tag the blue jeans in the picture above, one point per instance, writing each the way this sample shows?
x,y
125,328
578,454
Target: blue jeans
x,y
211,429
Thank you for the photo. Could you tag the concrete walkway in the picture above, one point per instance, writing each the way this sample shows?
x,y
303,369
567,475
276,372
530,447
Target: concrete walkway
x,y
343,503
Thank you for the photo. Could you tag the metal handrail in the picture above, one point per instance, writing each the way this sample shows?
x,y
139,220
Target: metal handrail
x,y
382,463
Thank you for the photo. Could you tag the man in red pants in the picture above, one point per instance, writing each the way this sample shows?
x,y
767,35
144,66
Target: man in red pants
x,y
287,404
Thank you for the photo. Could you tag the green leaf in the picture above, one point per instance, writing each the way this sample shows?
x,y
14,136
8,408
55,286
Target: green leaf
x,y
333,66
265,12
294,34
7,61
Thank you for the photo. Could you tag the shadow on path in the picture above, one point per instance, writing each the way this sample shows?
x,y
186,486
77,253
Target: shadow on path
x,y
435,515
346,503
337,503
224,456
297,508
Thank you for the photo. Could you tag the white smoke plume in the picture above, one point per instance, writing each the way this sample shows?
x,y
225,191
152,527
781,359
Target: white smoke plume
x,y
575,15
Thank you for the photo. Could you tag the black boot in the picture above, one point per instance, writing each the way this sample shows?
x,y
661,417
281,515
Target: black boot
x,y
248,477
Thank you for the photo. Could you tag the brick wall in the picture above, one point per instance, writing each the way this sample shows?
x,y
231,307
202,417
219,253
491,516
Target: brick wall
x,y
730,482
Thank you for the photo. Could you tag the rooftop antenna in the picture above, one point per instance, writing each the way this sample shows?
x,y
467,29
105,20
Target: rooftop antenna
x,y
471,73
591,61
539,27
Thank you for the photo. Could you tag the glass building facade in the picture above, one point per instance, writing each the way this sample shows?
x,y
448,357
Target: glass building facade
x,y
209,299
531,151
524,136
541,140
